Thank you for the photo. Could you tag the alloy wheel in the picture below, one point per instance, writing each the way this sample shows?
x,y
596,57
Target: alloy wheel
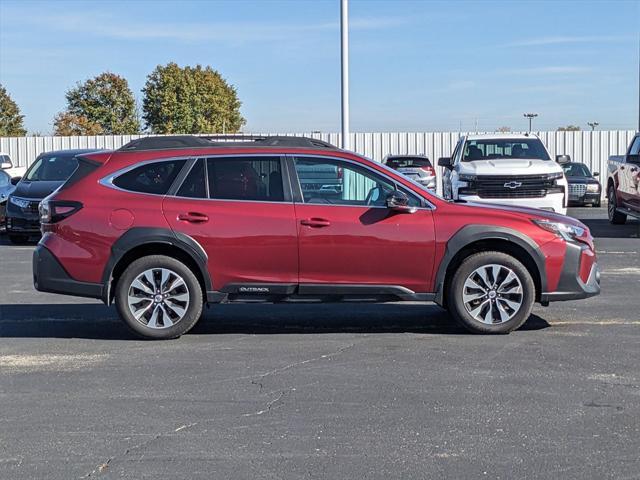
x,y
158,298
492,294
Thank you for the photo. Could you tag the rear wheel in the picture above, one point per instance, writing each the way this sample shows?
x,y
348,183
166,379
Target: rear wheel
x,y
491,292
159,297
18,239
615,217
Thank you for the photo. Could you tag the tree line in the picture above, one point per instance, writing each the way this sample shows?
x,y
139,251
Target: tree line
x,y
175,100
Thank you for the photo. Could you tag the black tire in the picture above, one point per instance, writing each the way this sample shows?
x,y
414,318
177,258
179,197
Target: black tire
x,y
615,217
193,288
456,304
596,204
18,239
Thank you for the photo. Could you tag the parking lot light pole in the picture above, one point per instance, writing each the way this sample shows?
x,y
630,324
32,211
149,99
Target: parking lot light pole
x,y
344,50
530,116
593,125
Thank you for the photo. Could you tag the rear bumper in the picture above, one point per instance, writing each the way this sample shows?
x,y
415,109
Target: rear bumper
x,y
50,276
571,286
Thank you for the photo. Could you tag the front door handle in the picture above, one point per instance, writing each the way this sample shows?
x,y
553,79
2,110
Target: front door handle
x,y
315,222
193,217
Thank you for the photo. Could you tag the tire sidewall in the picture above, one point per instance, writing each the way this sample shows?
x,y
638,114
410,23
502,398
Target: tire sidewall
x,y
456,304
194,310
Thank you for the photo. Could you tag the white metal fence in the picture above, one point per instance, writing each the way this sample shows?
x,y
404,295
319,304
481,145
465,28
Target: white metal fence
x,y
591,148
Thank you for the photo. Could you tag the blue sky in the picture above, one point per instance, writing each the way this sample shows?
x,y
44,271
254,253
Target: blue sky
x,y
415,65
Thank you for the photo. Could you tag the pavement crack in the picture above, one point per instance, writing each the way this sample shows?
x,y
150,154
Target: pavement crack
x,y
270,405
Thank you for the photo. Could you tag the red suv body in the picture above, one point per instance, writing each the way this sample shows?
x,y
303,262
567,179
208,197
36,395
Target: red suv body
x,y
165,224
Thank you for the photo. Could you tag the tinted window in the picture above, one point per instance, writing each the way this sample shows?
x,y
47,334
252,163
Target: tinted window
x,y
497,149
194,186
331,182
245,178
52,168
635,147
5,159
155,177
576,170
404,162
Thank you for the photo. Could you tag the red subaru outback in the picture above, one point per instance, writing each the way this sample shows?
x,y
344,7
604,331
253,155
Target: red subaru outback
x,y
165,224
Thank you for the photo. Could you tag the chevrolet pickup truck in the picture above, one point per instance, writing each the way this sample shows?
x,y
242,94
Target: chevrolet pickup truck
x,y
623,184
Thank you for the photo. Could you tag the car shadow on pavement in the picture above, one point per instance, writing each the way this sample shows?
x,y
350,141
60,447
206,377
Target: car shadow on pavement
x,y
99,322
601,228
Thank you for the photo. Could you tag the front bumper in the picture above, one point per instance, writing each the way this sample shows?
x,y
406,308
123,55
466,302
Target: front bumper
x,y
50,276
554,202
571,286
584,199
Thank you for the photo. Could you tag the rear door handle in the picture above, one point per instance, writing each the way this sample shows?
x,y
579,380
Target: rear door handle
x,y
315,222
193,217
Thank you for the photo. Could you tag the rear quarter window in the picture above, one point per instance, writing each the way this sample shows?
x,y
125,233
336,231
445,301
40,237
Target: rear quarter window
x,y
155,177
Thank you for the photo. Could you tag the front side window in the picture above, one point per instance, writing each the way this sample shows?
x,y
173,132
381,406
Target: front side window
x,y
507,149
155,178
245,178
332,182
635,147
52,168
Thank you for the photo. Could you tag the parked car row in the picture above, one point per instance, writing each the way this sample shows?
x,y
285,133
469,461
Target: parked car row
x,y
165,224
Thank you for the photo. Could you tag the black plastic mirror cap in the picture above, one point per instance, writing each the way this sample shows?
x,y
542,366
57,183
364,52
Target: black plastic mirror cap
x,y
15,180
444,161
399,202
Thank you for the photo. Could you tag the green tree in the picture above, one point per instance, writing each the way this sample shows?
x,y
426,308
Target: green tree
x,y
190,100
105,101
569,128
69,124
11,121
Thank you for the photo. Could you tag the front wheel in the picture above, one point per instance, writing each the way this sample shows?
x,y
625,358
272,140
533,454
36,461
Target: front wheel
x,y
615,217
159,297
491,292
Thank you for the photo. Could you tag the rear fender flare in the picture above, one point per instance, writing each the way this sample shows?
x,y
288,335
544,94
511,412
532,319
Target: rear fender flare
x,y
139,236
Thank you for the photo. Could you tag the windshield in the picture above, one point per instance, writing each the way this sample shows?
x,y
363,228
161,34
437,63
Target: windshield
x,y
52,168
404,162
576,170
507,149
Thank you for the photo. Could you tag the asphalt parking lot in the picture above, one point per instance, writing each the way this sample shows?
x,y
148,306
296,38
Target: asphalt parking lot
x,y
324,391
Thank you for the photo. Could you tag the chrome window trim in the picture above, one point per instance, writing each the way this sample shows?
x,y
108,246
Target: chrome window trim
x,y
108,180
430,205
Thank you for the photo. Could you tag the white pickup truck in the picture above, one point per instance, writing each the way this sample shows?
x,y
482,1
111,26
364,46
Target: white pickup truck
x,y
511,169
6,165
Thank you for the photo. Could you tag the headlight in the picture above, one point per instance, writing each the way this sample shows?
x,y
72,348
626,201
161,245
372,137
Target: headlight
x,y
571,233
19,202
593,187
555,176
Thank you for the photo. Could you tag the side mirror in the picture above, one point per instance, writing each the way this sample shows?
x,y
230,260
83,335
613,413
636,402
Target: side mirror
x,y
445,162
15,180
5,165
399,202
596,174
563,158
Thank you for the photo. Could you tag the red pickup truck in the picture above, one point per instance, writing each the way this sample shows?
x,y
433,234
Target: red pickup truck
x,y
623,184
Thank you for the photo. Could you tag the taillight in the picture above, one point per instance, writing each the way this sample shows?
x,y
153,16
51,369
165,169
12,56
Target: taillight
x,y
52,211
429,169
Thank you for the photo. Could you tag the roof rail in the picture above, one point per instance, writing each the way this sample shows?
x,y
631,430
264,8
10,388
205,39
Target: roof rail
x,y
194,141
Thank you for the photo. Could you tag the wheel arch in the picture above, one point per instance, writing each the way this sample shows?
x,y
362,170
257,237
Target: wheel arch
x,y
479,238
141,241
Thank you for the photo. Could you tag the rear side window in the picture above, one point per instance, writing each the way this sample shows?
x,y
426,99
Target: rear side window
x,y
155,178
245,178
194,186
